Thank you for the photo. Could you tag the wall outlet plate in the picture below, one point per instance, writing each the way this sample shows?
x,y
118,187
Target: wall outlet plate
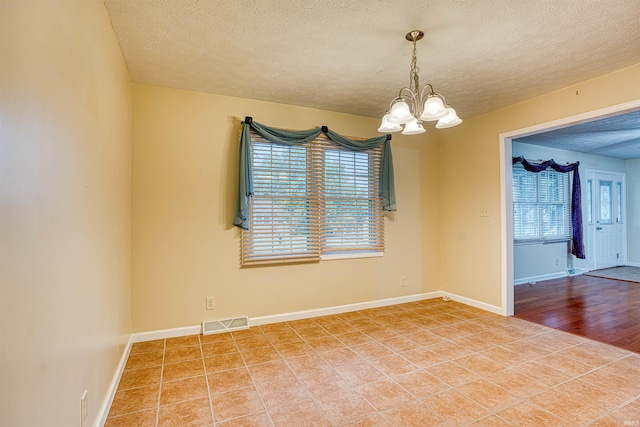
x,y
211,303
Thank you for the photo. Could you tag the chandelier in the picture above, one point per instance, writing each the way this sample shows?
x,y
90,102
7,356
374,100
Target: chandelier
x,y
413,105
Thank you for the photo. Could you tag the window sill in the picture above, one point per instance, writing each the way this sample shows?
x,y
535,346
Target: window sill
x,y
351,255
540,241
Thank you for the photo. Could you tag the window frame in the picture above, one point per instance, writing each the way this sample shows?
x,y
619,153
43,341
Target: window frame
x,y
316,175
539,205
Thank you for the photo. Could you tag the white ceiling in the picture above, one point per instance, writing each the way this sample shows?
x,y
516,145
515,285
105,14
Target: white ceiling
x,y
617,136
351,55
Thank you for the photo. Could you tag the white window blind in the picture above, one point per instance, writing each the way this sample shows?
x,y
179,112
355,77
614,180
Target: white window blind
x,y
352,208
541,205
310,200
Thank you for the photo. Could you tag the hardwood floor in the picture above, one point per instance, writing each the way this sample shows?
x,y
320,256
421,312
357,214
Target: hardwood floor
x,y
601,309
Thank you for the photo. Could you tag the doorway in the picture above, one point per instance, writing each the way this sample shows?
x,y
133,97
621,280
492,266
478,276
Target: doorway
x,y
506,178
605,225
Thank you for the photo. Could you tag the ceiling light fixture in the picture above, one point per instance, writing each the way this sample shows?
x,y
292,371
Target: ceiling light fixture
x,y
413,105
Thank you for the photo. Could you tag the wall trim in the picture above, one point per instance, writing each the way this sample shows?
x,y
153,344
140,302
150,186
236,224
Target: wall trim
x,y
305,314
103,412
166,333
633,264
475,303
541,277
326,311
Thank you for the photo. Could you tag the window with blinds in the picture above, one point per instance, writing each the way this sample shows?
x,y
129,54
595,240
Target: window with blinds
x,y
312,200
541,205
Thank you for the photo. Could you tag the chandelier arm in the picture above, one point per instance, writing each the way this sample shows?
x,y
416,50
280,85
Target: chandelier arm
x,y
412,99
424,92
441,96
407,92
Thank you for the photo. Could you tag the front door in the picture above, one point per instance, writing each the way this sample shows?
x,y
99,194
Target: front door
x,y
608,220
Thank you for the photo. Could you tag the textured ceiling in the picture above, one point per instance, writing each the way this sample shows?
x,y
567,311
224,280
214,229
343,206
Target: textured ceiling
x,y
351,56
617,136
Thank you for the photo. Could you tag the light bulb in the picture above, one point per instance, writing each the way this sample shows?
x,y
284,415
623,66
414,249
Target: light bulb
x,y
388,127
433,109
414,127
450,120
400,113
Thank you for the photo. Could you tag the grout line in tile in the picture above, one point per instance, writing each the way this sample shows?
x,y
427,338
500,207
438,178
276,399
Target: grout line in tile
x,y
164,350
611,411
206,379
313,399
255,385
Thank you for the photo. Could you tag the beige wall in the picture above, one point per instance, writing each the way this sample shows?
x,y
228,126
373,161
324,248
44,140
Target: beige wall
x,y
471,254
183,194
65,210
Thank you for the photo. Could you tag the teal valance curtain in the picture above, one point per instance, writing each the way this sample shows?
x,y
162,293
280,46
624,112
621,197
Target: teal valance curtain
x,y
286,137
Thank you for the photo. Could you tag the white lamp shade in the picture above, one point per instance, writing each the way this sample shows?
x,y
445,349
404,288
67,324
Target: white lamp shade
x,y
400,113
450,120
414,127
388,127
433,109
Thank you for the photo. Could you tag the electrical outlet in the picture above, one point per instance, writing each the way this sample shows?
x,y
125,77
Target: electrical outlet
x,y
484,211
557,261
403,281
84,410
211,303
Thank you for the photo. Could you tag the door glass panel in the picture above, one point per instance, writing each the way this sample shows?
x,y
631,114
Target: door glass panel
x,y
590,201
606,202
619,202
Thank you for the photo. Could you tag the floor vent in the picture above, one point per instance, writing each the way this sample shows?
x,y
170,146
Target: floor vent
x,y
226,325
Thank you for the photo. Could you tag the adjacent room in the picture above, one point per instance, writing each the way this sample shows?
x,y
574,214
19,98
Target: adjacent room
x,y
272,214
589,292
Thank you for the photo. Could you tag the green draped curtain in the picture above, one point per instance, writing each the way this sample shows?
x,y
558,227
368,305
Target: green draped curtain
x,y
286,137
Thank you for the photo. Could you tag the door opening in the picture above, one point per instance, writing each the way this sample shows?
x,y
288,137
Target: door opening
x,y
505,141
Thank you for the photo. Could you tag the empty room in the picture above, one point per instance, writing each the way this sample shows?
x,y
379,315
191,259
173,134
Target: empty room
x,y
282,213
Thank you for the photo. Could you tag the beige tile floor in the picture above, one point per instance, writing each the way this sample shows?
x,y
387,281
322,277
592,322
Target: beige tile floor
x,y
427,363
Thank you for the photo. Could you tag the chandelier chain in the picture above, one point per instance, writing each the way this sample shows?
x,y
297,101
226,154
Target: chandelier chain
x,y
413,78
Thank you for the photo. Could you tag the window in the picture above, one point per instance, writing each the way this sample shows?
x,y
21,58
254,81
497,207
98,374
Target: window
x,y
312,200
541,205
353,218
619,202
606,202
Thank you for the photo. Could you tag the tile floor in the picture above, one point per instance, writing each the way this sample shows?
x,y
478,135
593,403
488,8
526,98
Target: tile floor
x,y
626,273
426,363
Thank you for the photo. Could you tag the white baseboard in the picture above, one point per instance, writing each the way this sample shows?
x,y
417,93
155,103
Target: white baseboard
x,y
474,303
305,314
633,264
103,412
541,277
297,315
166,333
